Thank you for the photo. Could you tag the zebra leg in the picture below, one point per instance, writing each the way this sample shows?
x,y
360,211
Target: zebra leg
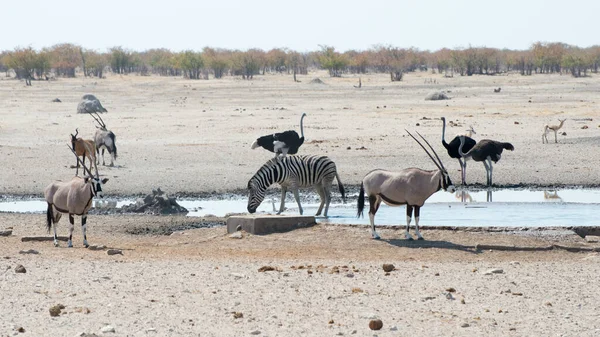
x,y
321,193
297,197
409,211
374,203
417,211
283,190
71,227
327,192
83,228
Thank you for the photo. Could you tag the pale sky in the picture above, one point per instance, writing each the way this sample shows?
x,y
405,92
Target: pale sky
x,y
299,25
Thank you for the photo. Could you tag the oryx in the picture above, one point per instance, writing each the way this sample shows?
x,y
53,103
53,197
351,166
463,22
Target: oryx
x,y
410,187
73,197
104,139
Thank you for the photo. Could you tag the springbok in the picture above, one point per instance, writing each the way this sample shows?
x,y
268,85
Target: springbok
x,y
73,197
104,139
410,187
83,148
555,128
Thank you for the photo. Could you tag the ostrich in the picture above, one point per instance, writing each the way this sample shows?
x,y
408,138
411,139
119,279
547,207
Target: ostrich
x,y
486,151
452,148
282,143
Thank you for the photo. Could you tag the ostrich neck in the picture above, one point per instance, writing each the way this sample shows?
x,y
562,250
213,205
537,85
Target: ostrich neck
x,y
444,131
302,125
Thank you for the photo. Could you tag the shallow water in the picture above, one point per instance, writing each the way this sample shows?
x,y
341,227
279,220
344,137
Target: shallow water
x,y
519,208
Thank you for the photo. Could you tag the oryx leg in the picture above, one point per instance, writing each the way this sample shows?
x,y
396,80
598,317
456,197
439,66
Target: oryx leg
x,y
374,203
71,227
409,211
297,197
417,211
83,228
283,190
55,219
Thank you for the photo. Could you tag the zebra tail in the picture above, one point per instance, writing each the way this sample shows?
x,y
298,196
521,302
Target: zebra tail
x,y
361,201
341,187
49,217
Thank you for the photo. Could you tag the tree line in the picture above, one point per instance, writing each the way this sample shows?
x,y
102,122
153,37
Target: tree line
x,y
67,60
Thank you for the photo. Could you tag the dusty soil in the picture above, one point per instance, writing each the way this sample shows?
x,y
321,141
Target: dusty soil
x,y
328,280
195,136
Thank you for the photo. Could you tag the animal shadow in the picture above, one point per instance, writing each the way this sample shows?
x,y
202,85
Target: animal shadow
x,y
430,244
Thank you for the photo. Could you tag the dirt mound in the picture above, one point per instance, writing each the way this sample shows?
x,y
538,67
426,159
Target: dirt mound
x,y
156,203
316,80
436,96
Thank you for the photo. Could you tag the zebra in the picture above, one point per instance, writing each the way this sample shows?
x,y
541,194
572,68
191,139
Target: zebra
x,y
293,172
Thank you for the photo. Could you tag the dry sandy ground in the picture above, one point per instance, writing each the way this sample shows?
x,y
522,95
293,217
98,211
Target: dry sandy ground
x,y
195,136
191,283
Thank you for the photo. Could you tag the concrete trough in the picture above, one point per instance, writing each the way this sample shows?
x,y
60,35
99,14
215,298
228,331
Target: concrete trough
x,y
265,224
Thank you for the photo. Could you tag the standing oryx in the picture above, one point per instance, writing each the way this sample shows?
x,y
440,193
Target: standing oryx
x,y
104,139
73,197
410,187
83,148
293,172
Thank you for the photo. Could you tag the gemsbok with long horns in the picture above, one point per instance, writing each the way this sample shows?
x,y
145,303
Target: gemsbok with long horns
x,y
104,139
72,197
293,172
410,187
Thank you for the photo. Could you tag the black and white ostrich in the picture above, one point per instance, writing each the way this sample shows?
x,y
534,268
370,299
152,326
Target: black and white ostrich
x,y
486,151
452,149
282,143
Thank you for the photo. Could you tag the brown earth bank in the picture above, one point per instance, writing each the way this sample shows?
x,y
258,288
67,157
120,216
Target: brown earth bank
x,y
194,137
326,280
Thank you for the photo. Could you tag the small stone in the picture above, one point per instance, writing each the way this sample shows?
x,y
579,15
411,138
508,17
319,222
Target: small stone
x,y
462,301
548,304
21,330
464,325
267,268
518,294
356,290
514,263
6,233
20,269
592,238
513,329
494,271
55,310
107,329
436,274
387,274
375,324
238,315
255,332
236,235
517,123
394,328
94,247
114,252
584,127
388,267
451,290
331,321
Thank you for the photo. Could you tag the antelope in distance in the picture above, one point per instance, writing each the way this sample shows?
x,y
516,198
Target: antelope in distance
x,y
83,148
104,139
410,187
74,198
555,128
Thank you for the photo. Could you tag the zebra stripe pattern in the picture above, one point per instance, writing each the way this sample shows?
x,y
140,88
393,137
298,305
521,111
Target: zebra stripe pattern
x,y
293,172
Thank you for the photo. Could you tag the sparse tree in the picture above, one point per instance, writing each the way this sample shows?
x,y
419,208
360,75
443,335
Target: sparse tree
x,y
333,61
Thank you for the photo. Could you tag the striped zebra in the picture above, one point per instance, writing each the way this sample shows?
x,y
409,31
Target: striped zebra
x,y
292,172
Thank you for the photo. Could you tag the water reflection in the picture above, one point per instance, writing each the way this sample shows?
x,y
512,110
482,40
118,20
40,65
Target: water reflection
x,y
552,196
465,197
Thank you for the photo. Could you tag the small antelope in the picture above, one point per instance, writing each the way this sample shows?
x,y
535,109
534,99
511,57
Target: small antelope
x,y
555,128
410,187
105,140
73,197
83,148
